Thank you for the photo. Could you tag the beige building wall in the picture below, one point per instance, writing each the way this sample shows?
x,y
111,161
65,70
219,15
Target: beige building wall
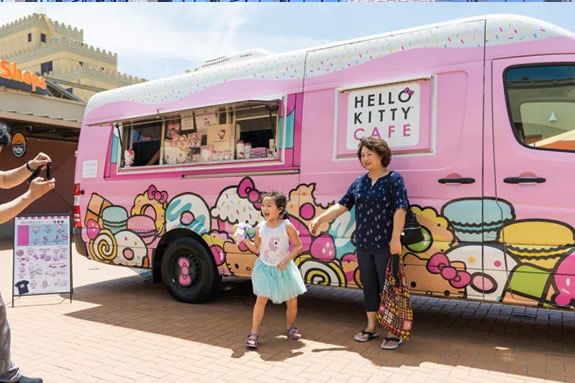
x,y
84,69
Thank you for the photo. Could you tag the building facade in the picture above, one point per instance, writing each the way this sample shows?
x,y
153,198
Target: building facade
x,y
47,73
58,52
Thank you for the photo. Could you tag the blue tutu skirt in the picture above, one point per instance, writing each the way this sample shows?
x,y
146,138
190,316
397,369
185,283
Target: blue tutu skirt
x,y
278,286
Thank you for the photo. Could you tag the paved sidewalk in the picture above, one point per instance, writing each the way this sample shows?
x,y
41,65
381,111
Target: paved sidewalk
x,y
120,327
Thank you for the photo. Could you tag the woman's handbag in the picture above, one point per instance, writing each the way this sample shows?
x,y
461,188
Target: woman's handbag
x,y
411,233
411,230
395,313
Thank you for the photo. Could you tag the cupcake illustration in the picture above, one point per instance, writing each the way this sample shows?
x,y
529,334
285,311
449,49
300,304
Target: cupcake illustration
x,y
538,242
238,204
478,219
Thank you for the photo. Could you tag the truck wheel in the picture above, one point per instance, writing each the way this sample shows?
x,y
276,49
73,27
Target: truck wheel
x,y
188,271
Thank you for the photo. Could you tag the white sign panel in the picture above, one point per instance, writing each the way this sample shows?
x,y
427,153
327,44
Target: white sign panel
x,y
42,262
390,112
90,169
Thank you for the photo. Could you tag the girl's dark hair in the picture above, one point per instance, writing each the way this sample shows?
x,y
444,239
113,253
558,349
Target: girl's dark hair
x,y
376,145
280,200
4,134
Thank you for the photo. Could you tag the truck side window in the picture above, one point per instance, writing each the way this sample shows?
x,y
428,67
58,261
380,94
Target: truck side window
x,y
541,100
241,131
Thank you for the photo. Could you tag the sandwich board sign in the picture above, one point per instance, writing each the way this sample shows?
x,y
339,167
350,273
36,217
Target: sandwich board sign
x,y
42,261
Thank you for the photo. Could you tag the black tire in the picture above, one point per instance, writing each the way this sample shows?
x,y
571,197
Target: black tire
x,y
189,272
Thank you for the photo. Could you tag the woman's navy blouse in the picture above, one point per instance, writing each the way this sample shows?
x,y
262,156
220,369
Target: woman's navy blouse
x,y
373,205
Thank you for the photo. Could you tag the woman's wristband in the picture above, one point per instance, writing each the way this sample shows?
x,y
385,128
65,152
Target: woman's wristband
x,y
29,167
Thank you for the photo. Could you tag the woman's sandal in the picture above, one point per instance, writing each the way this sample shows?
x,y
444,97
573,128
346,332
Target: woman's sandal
x,y
252,340
391,343
364,336
294,333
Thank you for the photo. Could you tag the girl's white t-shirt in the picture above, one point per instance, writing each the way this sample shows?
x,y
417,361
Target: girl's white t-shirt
x,y
274,243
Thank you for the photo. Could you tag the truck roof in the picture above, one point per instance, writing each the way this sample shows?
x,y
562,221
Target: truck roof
x,y
461,33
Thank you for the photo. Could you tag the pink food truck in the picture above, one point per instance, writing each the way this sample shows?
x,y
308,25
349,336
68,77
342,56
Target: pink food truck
x,y
479,112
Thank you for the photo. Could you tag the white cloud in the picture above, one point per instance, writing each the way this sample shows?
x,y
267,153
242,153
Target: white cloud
x,y
142,34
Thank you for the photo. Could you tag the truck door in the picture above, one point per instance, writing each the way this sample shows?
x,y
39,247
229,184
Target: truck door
x,y
533,127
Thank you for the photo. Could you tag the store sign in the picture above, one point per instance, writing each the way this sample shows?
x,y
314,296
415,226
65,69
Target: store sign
x,y
13,77
18,145
399,113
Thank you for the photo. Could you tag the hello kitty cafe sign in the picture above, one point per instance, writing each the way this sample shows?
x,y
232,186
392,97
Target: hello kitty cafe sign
x,y
399,113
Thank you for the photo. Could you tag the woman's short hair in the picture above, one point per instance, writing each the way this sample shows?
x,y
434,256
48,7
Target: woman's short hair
x,y
376,145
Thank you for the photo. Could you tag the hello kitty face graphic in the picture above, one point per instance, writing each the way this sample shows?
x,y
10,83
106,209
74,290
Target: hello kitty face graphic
x,y
274,244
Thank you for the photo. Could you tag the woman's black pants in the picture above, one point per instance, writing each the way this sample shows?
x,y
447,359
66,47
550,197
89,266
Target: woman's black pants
x,y
372,264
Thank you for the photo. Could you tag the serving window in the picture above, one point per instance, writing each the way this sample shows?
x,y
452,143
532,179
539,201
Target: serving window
x,y
245,131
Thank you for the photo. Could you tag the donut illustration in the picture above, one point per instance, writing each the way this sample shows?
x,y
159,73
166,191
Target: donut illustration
x,y
131,251
188,211
152,203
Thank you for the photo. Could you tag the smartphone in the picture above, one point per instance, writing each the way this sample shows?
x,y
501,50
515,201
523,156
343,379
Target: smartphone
x,y
49,171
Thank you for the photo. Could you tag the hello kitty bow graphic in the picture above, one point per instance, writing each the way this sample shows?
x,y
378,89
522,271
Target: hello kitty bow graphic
x,y
409,91
247,189
440,264
155,195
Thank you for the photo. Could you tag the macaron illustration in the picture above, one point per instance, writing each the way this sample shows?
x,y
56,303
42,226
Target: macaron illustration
x,y
115,218
144,226
478,219
537,242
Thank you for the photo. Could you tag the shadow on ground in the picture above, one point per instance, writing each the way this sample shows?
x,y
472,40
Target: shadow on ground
x,y
456,333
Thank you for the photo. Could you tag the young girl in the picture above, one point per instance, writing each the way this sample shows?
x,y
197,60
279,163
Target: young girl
x,y
275,276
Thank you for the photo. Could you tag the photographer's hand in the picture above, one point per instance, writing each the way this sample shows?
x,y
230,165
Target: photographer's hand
x,y
40,161
39,187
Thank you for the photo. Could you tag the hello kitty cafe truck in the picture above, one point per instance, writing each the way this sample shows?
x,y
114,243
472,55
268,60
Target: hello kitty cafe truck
x,y
480,114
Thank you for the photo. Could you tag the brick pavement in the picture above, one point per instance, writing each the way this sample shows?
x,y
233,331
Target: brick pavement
x,y
122,328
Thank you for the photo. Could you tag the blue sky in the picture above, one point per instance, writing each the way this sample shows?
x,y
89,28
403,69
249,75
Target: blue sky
x,y
155,40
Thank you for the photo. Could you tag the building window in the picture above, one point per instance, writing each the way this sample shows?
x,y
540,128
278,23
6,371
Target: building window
x,y
43,37
46,67
542,105
70,90
29,37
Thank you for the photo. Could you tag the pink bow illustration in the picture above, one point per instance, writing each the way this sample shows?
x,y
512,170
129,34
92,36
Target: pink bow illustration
x,y
247,189
155,194
408,91
440,264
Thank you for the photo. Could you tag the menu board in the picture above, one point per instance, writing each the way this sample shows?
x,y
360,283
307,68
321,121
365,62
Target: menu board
x,y
42,262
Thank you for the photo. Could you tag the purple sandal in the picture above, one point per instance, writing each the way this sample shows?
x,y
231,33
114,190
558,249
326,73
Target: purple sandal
x,y
252,340
294,333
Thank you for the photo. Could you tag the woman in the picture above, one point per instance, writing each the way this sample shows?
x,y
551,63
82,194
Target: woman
x,y
378,228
